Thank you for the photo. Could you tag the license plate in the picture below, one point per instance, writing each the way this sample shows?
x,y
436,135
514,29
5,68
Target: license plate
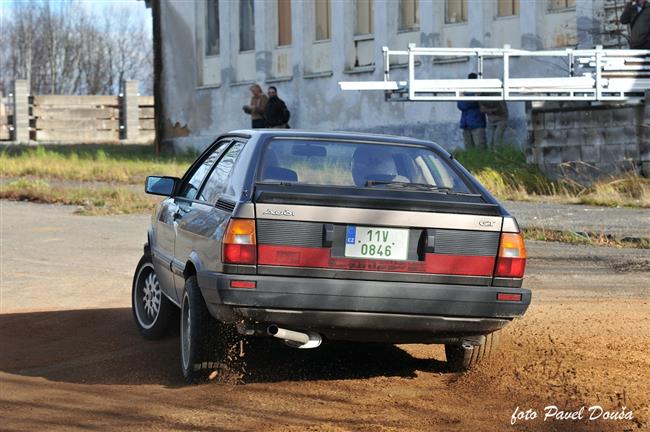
x,y
376,243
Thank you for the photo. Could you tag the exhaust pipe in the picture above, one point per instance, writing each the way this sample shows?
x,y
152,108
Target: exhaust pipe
x,y
295,339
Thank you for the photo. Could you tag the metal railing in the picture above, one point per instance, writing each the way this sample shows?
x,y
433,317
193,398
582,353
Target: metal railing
x,y
590,75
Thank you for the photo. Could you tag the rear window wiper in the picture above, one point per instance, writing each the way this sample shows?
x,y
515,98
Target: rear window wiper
x,y
418,186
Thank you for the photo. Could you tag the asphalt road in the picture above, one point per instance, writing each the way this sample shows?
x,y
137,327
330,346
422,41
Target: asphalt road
x,y
71,358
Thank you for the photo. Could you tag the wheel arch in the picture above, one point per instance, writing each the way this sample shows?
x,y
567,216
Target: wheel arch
x,y
193,265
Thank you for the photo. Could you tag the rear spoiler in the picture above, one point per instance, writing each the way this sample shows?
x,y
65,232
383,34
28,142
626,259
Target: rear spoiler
x,y
374,199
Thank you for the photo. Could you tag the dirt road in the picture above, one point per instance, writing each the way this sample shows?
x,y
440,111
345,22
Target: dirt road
x,y
70,356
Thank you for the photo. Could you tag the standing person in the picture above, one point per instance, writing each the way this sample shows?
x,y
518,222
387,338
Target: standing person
x,y
277,114
637,15
497,121
472,122
257,107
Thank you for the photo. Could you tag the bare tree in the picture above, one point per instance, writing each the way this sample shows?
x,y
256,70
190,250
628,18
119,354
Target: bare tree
x,y
62,48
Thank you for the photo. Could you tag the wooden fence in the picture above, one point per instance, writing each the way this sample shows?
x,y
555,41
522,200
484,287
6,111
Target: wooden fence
x,y
79,119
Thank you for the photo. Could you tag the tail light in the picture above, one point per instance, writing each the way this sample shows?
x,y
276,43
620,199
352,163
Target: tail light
x,y
511,261
239,242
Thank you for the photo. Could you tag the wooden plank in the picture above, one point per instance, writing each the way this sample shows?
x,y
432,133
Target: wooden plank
x,y
145,100
78,124
72,113
147,136
77,135
4,132
147,124
146,113
76,101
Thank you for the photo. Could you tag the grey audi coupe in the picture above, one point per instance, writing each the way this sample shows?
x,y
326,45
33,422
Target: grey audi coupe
x,y
323,236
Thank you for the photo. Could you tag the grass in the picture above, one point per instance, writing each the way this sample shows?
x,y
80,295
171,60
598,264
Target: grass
x,y
506,174
126,164
91,201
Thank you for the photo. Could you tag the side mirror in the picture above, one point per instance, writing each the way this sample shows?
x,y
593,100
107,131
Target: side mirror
x,y
165,186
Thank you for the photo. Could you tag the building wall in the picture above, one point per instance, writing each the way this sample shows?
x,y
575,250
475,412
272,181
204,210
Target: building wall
x,y
203,96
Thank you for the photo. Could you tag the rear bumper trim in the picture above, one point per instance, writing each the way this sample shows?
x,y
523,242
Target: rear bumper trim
x,y
305,293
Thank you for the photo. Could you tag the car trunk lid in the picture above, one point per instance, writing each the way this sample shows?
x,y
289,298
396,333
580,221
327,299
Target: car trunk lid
x,y
376,234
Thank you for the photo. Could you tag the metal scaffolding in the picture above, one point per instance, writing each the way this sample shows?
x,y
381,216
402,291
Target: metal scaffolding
x,y
591,75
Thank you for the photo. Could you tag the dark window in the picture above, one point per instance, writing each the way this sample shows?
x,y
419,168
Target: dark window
x,y
246,25
216,183
191,187
355,164
212,28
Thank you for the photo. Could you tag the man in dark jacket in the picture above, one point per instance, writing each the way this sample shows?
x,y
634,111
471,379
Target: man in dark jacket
x,y
637,15
277,114
472,122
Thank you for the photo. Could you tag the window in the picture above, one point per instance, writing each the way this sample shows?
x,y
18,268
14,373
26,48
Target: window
x,y
561,4
355,164
507,8
409,14
284,22
190,189
322,19
246,25
456,11
216,183
363,22
212,28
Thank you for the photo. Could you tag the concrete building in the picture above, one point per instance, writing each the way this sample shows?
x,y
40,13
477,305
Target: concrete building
x,y
209,52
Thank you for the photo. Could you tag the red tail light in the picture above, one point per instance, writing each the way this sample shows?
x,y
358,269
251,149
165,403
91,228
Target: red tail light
x,y
240,242
511,261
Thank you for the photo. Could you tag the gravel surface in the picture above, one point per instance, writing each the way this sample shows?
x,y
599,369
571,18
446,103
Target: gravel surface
x,y
618,222
71,358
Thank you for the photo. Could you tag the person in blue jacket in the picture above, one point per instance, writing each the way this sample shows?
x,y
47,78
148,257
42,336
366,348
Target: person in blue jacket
x,y
472,122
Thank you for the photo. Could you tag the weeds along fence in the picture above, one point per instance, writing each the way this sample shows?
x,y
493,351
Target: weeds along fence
x,y
127,117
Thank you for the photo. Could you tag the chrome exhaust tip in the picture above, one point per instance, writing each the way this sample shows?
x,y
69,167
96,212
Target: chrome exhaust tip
x,y
295,339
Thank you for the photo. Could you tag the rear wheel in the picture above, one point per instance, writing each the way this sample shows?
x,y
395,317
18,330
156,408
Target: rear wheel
x,y
460,358
201,334
151,309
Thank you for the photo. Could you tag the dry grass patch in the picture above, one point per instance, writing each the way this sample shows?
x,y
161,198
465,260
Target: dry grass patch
x,y
127,164
584,238
506,174
91,201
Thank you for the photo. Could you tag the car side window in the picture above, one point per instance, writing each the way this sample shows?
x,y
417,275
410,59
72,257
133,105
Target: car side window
x,y
190,189
216,182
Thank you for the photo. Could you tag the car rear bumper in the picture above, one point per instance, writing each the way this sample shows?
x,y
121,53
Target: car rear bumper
x,y
365,310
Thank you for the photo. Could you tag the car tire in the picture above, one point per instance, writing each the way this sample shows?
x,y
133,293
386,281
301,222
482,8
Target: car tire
x,y
199,338
152,310
461,359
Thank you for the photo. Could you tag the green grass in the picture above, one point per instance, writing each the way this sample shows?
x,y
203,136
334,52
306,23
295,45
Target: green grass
x,y
91,201
126,164
506,174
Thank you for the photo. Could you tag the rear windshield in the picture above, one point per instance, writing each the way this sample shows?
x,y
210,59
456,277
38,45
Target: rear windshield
x,y
334,163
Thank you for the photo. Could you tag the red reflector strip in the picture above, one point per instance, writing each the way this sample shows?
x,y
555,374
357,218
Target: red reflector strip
x,y
296,256
508,297
459,265
243,284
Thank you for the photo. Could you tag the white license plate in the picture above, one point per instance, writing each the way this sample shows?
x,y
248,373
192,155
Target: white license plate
x,y
376,243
